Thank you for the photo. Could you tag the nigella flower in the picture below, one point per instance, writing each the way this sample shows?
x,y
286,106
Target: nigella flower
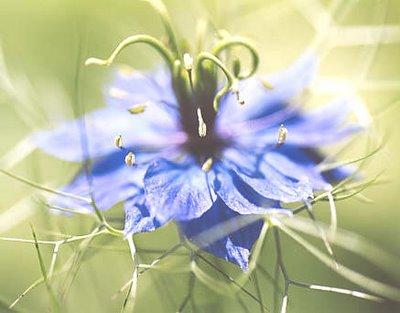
x,y
200,149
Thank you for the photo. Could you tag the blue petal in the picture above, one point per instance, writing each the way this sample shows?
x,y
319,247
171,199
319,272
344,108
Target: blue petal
x,y
151,128
177,191
308,157
133,87
268,180
238,195
340,173
262,102
137,216
297,171
112,182
321,126
292,161
234,247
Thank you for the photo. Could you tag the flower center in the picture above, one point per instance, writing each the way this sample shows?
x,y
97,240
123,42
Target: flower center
x,y
198,97
199,124
195,83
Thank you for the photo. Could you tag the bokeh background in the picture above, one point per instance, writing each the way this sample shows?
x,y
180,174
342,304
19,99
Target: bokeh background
x,y
43,41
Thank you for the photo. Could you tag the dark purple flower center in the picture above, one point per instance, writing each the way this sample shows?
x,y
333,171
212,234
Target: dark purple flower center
x,y
212,144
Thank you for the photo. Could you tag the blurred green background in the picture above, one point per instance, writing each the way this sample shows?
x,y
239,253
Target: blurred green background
x,y
359,45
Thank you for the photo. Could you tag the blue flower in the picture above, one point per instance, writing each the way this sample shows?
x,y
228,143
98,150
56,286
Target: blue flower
x,y
201,178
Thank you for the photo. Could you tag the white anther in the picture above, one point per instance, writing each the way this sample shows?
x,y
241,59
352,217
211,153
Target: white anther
x,y
202,126
282,134
118,141
207,165
187,61
130,159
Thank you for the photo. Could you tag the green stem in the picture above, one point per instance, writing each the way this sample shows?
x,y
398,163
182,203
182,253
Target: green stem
x,y
53,299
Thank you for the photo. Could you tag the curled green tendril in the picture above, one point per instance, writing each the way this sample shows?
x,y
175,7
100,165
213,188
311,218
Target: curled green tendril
x,y
206,56
149,40
232,41
159,6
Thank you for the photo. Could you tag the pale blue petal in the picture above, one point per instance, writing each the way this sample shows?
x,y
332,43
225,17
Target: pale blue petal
x,y
177,191
133,87
260,101
149,129
238,195
296,171
307,157
112,182
269,182
321,126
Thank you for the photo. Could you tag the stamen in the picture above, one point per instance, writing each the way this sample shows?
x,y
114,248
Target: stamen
x,y
130,159
267,84
202,125
118,141
188,65
188,62
282,134
235,91
117,93
139,108
207,165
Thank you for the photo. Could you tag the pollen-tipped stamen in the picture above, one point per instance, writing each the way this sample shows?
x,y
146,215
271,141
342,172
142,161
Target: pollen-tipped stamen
x,y
130,159
202,130
282,134
188,65
138,109
118,141
206,167
188,62
267,84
